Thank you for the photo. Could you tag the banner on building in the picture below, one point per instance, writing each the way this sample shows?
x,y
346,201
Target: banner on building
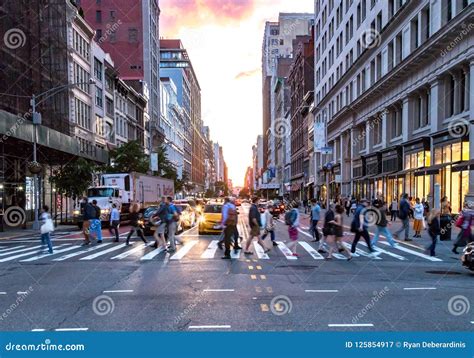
x,y
154,162
319,136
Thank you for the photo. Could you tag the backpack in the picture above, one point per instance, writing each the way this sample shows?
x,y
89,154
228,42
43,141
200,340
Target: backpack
x,y
231,216
173,213
290,217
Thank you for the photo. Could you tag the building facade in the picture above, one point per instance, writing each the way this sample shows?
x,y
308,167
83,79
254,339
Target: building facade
x,y
394,85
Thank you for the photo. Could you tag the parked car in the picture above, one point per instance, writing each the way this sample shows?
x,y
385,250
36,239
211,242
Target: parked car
x,y
211,218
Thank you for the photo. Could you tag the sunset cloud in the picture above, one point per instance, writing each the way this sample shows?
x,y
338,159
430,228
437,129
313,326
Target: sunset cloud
x,y
196,13
246,74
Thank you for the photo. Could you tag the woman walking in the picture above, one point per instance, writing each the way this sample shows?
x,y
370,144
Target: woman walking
x,y
465,223
445,220
335,240
136,226
433,230
293,224
418,210
46,228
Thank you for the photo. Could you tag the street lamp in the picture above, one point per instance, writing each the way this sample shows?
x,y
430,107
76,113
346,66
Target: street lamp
x,y
35,168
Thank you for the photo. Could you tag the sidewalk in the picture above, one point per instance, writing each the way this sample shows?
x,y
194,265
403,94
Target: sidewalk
x,y
422,243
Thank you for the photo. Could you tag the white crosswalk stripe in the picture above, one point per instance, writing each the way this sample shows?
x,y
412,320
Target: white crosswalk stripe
x,y
314,254
210,251
12,248
101,253
413,252
286,251
39,257
151,255
129,252
184,250
78,253
21,250
259,251
11,258
359,252
382,251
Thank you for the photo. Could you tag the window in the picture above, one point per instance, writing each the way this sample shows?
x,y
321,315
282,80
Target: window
x,y
414,34
425,24
274,32
112,14
377,125
396,119
99,126
98,16
274,42
83,114
132,35
81,76
109,107
399,48
98,66
99,97
282,42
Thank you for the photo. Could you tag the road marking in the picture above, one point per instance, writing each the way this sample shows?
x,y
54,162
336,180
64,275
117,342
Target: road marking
x,y
286,251
70,329
259,251
263,277
314,254
3,293
219,290
38,257
210,327
350,325
185,231
264,307
38,330
21,250
184,250
12,248
22,293
382,251
258,267
118,291
129,252
321,291
418,288
211,250
11,258
153,253
250,267
419,254
101,253
361,252
253,277
74,254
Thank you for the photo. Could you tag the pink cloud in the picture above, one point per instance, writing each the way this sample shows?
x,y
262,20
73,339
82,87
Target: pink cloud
x,y
245,74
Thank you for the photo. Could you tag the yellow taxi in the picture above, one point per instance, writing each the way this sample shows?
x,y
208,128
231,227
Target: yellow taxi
x,y
211,219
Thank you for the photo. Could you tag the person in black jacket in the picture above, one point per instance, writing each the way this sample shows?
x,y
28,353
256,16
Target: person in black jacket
x,y
135,225
433,229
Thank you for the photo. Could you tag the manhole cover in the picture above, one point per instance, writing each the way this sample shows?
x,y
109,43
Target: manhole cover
x,y
444,272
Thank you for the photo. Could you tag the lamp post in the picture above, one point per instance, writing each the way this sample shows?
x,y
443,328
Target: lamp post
x,y
35,168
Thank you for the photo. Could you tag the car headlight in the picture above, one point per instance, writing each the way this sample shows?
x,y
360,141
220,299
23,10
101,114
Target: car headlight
x,y
76,212
141,222
202,219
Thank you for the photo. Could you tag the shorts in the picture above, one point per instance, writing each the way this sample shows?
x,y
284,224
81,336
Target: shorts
x,y
417,225
254,231
160,229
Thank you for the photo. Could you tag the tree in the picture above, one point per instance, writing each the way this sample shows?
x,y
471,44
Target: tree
x,y
179,184
130,157
165,166
74,178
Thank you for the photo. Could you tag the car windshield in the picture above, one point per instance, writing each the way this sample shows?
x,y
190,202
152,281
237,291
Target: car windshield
x,y
182,207
100,192
149,211
213,209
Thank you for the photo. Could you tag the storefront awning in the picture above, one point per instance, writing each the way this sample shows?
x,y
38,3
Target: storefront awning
x,y
468,165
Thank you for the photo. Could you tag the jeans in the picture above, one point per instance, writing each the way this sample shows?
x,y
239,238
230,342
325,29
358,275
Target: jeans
x,y
393,215
139,231
171,233
315,230
272,235
114,228
365,234
46,240
383,230
96,228
406,227
432,247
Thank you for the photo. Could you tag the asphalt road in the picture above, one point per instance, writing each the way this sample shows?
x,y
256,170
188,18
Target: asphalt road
x,y
113,288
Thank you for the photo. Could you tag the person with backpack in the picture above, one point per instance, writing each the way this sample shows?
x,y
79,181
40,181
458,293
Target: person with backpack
x,y
336,239
159,218
292,219
465,222
269,225
134,217
229,223
360,226
433,230
403,214
255,223
96,224
418,210
172,220
315,217
382,227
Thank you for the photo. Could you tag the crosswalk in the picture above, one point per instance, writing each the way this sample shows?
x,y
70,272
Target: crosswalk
x,y
196,249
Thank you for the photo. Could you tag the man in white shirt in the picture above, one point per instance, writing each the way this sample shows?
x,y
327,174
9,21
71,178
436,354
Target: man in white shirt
x,y
114,222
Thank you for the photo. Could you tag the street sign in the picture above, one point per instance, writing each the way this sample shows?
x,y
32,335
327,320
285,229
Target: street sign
x,y
326,150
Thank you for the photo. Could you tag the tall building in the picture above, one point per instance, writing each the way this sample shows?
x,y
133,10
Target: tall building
x,y
394,84
175,64
129,32
277,43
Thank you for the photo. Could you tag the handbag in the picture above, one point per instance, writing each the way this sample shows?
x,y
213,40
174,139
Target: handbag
x,y
459,221
47,227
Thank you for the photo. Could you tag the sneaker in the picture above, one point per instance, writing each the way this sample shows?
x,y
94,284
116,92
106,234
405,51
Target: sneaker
x,y
219,245
85,243
322,251
225,257
408,239
248,253
274,243
99,242
237,248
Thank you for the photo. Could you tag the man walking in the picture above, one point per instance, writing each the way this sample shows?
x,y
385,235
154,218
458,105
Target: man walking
x,y
160,218
403,214
382,227
255,223
229,222
361,226
315,217
88,216
114,222
269,226
172,221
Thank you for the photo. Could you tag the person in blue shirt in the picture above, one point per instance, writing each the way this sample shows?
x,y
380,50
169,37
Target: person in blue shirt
x,y
172,221
114,222
315,217
229,223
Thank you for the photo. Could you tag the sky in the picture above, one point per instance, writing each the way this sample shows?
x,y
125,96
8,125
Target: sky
x,y
224,42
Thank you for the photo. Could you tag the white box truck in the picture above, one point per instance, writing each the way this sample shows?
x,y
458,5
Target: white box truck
x,y
124,189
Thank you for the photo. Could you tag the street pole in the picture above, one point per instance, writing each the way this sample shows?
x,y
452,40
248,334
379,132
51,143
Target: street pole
x,y
35,175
